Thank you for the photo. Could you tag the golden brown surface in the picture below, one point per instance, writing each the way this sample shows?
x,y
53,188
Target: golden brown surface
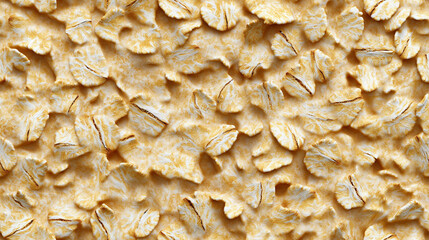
x,y
215,119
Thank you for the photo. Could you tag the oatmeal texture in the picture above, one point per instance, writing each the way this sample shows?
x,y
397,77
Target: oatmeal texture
x,y
214,119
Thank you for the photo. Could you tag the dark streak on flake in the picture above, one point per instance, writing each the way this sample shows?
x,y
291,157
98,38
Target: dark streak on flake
x,y
196,212
30,177
131,3
99,134
264,85
91,70
64,145
149,113
376,5
223,133
354,187
390,236
406,45
75,25
400,114
17,230
313,53
294,137
16,200
28,133
347,101
102,225
72,103
2,167
287,40
224,86
300,83
253,70
181,5
62,220
127,137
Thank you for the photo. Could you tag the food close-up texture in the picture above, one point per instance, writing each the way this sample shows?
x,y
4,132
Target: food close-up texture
x,y
214,119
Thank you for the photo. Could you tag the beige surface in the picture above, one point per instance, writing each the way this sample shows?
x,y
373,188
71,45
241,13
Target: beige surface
x,y
216,119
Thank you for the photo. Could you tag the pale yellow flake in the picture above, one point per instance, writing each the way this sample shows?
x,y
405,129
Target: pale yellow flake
x,y
283,220
188,60
64,221
8,156
323,158
366,155
249,123
220,14
406,43
272,160
59,63
422,112
88,65
287,134
147,119
143,10
254,31
45,6
397,117
417,150
397,19
322,65
267,96
347,104
286,43
179,9
232,207
320,120
410,211
271,11
13,218
230,98
190,215
123,183
67,145
33,124
348,193
298,83
377,232
254,57
369,77
315,23
178,163
111,24
22,198
375,57
221,140
99,132
10,58
381,9
34,171
147,223
78,23
173,231
202,105
36,40
144,40
302,198
423,66
114,107
348,26
103,223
